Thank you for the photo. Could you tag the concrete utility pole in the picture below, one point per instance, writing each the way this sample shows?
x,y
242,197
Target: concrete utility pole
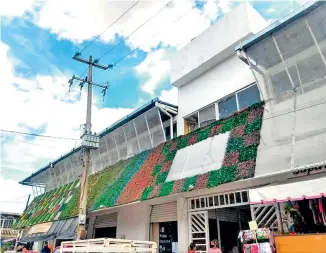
x,y
89,140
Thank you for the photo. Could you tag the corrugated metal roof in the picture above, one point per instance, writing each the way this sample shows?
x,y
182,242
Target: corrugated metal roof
x,y
280,24
111,128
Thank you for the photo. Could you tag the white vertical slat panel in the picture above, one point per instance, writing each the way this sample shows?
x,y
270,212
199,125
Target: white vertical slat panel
x,y
106,220
164,212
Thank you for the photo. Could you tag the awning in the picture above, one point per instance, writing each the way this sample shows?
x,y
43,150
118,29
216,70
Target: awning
x,y
315,188
61,229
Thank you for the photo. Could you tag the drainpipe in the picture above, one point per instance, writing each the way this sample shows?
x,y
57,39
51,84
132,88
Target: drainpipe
x,y
244,58
165,111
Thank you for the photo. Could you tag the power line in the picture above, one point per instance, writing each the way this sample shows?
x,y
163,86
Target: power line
x,y
176,20
91,42
125,38
26,142
17,198
14,202
38,135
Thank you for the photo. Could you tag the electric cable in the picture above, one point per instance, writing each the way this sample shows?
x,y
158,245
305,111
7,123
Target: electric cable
x,y
176,20
133,32
38,135
92,41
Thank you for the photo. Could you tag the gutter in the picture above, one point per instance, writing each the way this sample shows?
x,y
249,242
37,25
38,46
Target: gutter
x,y
166,112
281,23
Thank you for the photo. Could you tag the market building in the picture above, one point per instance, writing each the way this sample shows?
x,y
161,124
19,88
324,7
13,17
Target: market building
x,y
7,219
8,235
288,62
249,138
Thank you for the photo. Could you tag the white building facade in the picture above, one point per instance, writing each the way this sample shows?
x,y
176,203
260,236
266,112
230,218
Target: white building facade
x,y
214,81
212,84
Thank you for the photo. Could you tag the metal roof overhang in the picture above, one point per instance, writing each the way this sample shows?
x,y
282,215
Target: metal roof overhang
x,y
114,126
60,229
279,24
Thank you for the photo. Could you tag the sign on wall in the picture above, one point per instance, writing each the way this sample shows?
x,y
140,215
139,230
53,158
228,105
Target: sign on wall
x,y
40,228
309,171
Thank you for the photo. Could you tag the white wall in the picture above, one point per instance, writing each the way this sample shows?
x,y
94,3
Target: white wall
x,y
183,234
133,221
215,44
225,78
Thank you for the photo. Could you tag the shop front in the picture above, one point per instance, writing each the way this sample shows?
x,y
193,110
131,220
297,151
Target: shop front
x,y
164,227
299,209
105,226
218,217
51,232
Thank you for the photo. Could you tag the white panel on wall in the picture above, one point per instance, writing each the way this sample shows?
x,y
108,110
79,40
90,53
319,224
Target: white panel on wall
x,y
199,158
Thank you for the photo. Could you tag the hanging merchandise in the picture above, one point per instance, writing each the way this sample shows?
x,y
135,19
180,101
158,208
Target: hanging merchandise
x,y
263,234
322,210
266,247
314,211
256,241
319,215
248,236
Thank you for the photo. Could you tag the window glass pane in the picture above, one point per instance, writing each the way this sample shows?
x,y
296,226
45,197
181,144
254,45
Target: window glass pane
x,y
227,107
248,97
244,197
192,122
207,115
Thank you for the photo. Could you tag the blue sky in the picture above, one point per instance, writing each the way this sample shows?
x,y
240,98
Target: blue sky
x,y
38,40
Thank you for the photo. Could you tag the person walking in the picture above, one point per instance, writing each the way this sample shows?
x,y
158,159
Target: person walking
x,y
214,247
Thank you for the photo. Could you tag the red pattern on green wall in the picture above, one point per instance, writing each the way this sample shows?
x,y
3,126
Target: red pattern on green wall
x,y
144,176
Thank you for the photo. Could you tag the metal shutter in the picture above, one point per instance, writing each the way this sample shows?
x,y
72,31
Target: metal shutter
x,y
164,212
227,214
106,220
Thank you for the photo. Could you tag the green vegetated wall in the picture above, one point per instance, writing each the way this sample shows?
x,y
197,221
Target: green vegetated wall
x,y
143,176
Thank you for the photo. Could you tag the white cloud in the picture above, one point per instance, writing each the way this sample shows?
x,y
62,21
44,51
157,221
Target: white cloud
x,y
35,103
156,66
211,9
170,96
224,5
82,20
13,197
16,8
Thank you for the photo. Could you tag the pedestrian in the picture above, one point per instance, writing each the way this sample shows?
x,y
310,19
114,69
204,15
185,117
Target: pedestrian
x,y
192,248
214,247
46,249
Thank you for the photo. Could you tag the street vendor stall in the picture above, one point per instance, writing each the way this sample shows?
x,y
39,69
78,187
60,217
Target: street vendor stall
x,y
301,210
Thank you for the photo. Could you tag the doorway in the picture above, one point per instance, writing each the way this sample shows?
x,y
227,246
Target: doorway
x,y
108,232
225,225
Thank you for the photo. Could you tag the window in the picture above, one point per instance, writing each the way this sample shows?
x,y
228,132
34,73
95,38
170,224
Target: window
x,y
7,222
167,131
227,107
207,115
191,123
248,97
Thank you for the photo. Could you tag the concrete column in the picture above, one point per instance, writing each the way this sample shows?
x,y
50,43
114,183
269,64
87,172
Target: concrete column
x,y
180,125
183,235
90,229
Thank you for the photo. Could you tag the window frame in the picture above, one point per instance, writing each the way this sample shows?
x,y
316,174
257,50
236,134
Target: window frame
x,y
216,103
